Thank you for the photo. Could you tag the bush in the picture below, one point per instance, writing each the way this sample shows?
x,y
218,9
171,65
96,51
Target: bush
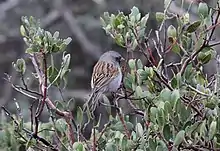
x,y
177,113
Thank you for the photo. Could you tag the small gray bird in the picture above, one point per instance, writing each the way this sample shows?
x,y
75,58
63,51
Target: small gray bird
x,y
106,77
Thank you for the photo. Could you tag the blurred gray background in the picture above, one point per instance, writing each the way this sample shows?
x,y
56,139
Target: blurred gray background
x,y
78,19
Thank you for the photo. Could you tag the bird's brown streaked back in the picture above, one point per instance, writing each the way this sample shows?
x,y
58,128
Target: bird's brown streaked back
x,y
102,70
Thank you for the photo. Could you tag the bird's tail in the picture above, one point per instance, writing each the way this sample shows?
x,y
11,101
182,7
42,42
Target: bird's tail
x,y
91,104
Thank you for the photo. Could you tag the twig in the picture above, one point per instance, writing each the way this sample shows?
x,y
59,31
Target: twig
x,y
19,89
214,44
56,132
94,139
197,91
122,119
187,61
24,93
70,128
103,130
192,106
32,121
44,87
215,23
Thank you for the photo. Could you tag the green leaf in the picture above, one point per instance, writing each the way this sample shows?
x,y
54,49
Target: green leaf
x,y
165,94
204,57
161,146
175,95
178,106
217,135
171,31
119,126
132,63
152,144
153,114
78,146
111,147
139,130
23,31
119,40
185,112
160,118
135,13
176,49
53,75
190,129
185,18
193,27
167,108
79,115
20,66
61,125
203,129
128,81
144,20
60,105
138,92
212,130
167,132
139,64
174,82
140,74
65,65
134,44
160,17
29,50
179,138
203,10
56,34
62,47
123,142
210,104
54,48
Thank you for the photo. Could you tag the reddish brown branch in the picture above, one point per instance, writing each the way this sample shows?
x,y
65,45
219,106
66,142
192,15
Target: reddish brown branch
x,y
151,56
70,128
124,125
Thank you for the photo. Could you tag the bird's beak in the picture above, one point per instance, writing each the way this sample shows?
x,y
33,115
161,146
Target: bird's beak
x,y
122,59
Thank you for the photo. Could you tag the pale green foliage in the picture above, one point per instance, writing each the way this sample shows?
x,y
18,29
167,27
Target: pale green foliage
x,y
178,112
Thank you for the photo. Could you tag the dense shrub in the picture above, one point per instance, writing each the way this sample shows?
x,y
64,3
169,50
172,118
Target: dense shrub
x,y
180,112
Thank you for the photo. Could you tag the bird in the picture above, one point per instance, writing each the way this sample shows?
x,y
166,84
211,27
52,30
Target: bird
x,y
106,77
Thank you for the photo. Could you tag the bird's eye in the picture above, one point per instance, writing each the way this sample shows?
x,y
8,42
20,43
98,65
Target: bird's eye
x,y
118,59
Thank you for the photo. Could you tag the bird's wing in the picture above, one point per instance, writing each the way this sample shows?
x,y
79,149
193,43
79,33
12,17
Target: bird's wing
x,y
103,74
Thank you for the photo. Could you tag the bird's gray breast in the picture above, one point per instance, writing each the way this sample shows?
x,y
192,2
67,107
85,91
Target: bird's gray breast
x,y
115,83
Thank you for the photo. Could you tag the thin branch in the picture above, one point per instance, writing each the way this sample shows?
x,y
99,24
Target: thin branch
x,y
94,139
44,87
187,61
70,128
214,44
122,119
103,130
215,23
197,91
